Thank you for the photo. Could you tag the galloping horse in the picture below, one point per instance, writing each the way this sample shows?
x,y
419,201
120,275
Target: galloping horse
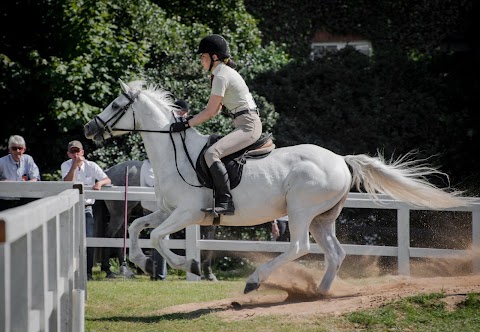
x,y
307,182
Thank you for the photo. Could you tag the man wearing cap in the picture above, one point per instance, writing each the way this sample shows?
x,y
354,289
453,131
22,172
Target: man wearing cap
x,y
79,169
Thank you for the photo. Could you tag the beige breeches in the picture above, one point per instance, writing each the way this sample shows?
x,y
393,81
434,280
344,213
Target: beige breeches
x,y
248,129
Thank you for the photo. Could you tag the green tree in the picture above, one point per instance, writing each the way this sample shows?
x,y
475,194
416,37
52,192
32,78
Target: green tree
x,y
71,71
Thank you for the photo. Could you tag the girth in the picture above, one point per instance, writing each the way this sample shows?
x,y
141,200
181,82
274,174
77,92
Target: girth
x,y
235,161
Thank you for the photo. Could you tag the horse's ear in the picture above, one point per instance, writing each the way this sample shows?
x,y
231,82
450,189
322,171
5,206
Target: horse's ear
x,y
125,87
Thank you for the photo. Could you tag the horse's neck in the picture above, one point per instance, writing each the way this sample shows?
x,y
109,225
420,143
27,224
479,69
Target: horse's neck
x,y
165,157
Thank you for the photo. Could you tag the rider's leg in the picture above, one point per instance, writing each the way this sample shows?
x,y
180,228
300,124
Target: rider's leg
x,y
223,197
248,130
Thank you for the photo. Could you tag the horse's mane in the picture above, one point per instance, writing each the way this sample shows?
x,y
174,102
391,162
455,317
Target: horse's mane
x,y
155,92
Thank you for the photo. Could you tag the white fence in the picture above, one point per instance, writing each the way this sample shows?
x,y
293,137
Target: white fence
x,y
193,244
42,260
42,250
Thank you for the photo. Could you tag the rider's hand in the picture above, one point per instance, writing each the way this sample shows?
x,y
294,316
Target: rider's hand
x,y
182,125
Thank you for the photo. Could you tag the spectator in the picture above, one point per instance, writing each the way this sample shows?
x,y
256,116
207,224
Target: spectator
x,y
90,174
280,229
17,166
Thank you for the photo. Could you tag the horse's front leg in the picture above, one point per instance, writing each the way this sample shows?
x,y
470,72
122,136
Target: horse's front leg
x,y
178,220
136,254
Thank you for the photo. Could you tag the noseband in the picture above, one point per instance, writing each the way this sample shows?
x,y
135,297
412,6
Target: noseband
x,y
117,116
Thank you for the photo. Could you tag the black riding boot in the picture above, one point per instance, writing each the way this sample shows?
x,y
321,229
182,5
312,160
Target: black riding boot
x,y
223,198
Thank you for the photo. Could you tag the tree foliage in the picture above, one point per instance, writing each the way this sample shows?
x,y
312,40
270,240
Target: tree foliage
x,y
415,92
71,71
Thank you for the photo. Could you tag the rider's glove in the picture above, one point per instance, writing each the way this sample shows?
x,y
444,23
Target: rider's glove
x,y
181,125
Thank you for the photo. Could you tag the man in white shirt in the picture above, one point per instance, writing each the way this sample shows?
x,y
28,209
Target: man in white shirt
x,y
79,169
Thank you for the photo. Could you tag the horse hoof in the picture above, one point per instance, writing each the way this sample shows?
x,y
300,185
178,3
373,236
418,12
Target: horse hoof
x,y
149,266
251,287
195,268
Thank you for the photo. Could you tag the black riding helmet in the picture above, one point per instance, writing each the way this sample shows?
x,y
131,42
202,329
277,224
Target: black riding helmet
x,y
214,44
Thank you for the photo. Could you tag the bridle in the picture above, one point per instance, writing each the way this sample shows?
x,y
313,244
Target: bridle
x,y
121,112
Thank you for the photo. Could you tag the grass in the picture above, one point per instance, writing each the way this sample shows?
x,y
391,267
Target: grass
x,y
421,313
135,305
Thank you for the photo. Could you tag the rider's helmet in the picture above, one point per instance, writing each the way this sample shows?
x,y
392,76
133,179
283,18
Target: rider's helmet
x,y
214,44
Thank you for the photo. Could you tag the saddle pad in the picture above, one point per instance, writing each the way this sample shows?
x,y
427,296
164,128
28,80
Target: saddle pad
x,y
233,163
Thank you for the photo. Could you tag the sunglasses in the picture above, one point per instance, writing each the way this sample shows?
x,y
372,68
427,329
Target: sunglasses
x,y
15,148
74,150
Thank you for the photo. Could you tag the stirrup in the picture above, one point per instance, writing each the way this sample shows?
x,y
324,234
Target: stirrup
x,y
218,210
210,210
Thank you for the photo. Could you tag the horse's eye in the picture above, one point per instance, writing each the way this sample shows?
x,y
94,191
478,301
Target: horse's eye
x,y
115,106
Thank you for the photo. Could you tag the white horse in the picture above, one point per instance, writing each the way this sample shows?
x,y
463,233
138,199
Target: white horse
x,y
307,182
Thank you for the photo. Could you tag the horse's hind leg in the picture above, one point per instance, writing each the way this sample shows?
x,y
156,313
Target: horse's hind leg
x,y
299,246
322,229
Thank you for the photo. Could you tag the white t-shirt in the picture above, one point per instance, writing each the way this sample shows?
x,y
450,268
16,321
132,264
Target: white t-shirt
x,y
229,84
88,173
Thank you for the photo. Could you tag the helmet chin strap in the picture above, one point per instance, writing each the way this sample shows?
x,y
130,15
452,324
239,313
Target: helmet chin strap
x,y
212,61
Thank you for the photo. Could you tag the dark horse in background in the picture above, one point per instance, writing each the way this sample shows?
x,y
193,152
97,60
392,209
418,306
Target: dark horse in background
x,y
109,223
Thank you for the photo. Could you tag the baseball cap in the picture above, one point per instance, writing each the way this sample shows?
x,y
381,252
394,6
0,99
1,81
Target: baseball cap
x,y
75,144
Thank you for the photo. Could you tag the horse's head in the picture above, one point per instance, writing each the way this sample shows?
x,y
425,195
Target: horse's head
x,y
133,110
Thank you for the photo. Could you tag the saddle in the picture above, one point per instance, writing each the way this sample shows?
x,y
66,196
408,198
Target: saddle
x,y
235,161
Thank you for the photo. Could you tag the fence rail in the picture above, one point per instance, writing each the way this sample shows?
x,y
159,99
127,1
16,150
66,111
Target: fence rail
x,y
42,268
193,244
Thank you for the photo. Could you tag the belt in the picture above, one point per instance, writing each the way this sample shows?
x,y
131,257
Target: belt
x,y
236,114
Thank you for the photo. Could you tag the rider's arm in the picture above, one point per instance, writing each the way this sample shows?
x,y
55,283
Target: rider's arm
x,y
214,107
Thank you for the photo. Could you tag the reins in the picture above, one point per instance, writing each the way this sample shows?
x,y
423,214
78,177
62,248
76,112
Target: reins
x,y
121,112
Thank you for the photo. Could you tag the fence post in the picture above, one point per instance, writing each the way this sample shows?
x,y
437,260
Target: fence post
x,y
192,235
78,310
476,239
80,231
37,265
403,236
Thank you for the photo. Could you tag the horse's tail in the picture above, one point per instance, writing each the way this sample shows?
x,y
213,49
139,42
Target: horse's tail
x,y
403,180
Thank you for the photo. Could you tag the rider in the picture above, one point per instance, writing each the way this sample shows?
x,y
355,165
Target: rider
x,y
227,88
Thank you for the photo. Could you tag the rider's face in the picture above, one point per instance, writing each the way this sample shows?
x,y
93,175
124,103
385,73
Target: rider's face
x,y
205,60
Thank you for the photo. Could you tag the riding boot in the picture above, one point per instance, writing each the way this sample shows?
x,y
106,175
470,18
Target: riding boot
x,y
223,197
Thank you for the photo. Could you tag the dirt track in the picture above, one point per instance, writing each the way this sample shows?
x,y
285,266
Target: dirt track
x,y
295,297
